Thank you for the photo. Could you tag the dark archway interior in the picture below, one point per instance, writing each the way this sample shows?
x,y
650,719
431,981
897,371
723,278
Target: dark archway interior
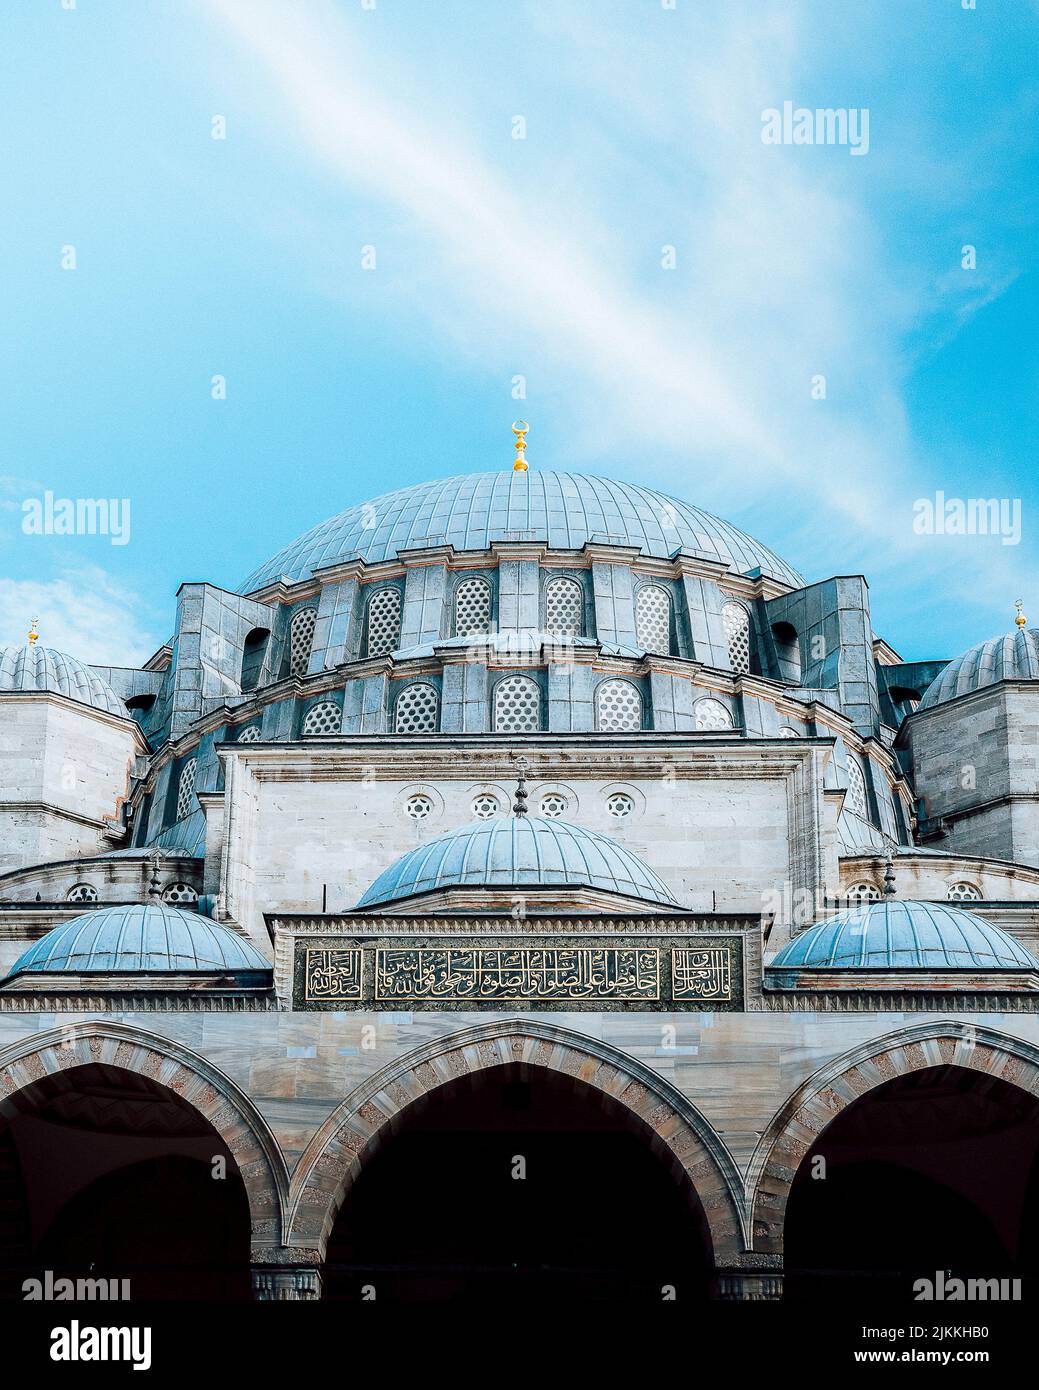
x,y
438,1214
105,1174
935,1170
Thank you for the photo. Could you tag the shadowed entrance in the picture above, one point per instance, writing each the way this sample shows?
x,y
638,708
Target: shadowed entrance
x,y
518,1182
105,1174
934,1170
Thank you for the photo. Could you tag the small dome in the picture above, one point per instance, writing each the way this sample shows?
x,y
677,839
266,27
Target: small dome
x,y
519,852
897,934
36,668
1014,656
562,509
144,938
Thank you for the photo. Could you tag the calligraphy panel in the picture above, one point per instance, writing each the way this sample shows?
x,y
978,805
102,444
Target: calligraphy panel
x,y
332,974
516,973
705,974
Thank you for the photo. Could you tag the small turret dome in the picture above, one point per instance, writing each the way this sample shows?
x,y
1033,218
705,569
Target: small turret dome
x,y
142,939
898,934
44,669
519,852
1013,656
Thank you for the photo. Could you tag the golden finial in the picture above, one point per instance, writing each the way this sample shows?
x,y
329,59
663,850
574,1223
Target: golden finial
x,y
34,636
1020,620
519,429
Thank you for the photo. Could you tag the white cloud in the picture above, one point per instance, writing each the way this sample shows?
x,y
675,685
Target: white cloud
x,y
83,612
783,271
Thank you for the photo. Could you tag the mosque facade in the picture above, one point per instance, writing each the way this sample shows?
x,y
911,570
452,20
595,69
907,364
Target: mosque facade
x,y
524,883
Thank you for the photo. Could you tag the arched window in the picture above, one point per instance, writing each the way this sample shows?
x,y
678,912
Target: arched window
x,y
250,734
863,893
737,634
82,893
787,732
179,893
254,653
186,800
856,801
963,893
618,707
383,622
517,705
653,619
417,709
323,720
564,607
301,639
472,608
788,651
711,715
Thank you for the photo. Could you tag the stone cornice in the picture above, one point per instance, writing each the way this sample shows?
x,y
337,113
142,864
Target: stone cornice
x,y
948,861
895,1001
376,926
122,722
459,756
130,1002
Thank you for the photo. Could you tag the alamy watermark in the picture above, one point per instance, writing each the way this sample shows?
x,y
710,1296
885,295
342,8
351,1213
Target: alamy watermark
x,y
968,516
77,516
823,125
942,1289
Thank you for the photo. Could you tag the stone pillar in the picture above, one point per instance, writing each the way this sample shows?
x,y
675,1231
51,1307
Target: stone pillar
x,y
754,1284
286,1283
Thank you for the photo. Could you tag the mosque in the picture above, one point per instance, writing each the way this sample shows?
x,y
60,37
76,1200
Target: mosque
x,y
525,884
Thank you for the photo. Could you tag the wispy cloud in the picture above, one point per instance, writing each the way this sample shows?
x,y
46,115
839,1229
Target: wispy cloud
x,y
783,274
84,612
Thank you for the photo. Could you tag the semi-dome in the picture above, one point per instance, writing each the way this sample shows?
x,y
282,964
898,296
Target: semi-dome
x,y
897,934
143,938
562,509
519,852
1013,656
43,669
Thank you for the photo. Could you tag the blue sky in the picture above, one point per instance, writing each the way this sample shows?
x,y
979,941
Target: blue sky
x,y
392,127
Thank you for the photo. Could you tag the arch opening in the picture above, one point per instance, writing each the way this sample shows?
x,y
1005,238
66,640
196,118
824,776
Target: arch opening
x,y
106,1174
519,1183
934,1170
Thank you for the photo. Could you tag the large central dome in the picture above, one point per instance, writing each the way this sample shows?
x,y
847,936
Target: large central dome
x,y
562,509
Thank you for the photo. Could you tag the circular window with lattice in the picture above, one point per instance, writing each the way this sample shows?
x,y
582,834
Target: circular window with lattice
x,y
553,805
418,807
964,893
485,806
82,893
179,893
863,893
620,805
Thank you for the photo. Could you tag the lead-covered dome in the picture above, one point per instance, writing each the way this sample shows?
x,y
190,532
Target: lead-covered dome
x,y
39,669
898,934
143,939
519,852
1013,656
562,509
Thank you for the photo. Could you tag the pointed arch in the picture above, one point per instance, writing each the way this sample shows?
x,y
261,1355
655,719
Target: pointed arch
x,y
204,1087
802,1118
355,1130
